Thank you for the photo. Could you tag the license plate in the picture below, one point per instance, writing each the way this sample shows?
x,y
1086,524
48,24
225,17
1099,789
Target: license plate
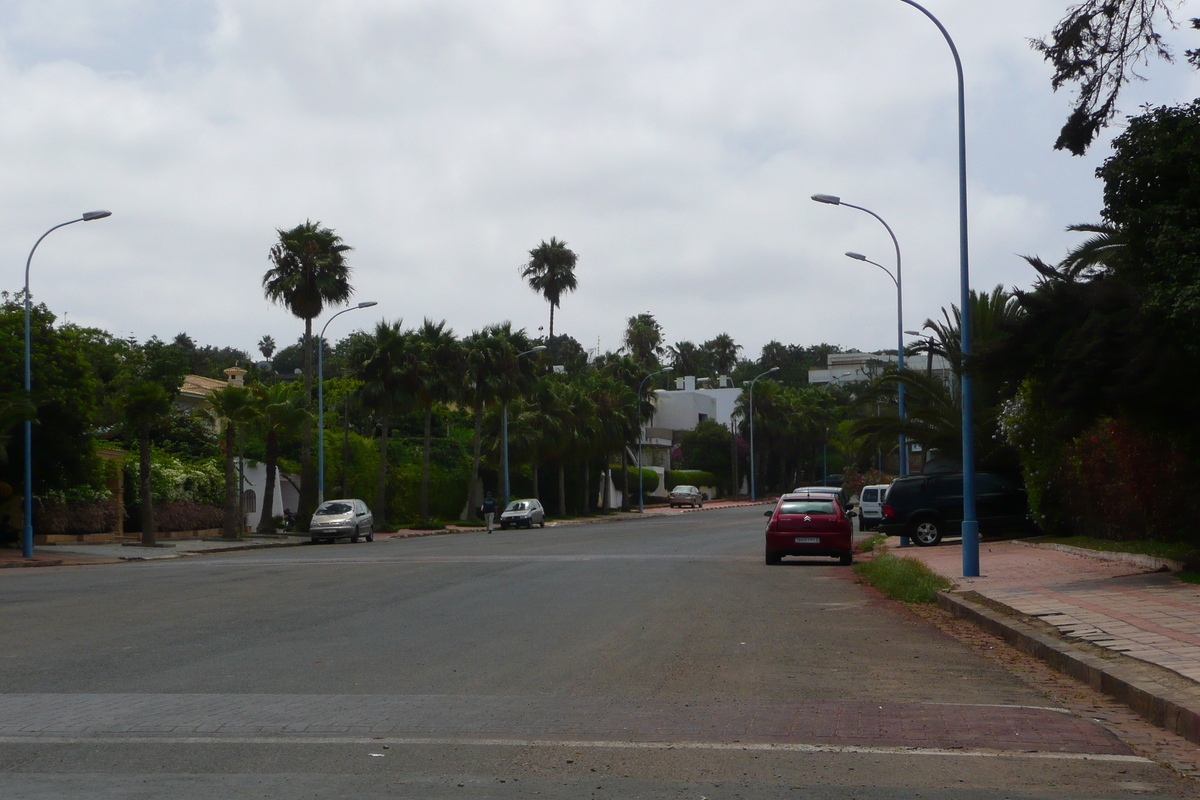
x,y
808,540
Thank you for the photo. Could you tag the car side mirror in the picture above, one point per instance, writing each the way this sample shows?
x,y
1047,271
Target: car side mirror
x,y
768,513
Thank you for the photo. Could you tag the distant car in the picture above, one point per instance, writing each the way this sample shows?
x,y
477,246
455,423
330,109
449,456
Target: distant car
x,y
870,506
810,524
836,491
523,512
342,519
686,496
928,507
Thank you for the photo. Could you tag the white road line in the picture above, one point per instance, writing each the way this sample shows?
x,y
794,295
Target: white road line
x,y
614,745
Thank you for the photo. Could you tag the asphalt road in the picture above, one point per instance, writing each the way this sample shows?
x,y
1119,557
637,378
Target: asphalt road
x,y
655,658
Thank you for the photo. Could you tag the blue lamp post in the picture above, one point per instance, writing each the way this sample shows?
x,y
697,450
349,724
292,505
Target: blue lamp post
x,y
768,372
321,397
504,430
27,535
970,523
641,435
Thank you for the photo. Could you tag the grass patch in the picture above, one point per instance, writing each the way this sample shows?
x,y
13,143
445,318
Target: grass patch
x,y
1176,551
902,579
870,544
1188,577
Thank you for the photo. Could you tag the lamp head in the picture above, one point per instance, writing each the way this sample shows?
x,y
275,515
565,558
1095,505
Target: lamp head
x,y
828,199
367,304
857,256
538,349
88,216
773,369
914,333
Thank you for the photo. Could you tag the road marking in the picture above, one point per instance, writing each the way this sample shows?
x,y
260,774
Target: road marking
x,y
599,744
468,559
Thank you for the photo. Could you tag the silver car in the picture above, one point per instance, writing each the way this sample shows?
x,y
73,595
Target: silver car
x,y
523,512
342,519
688,496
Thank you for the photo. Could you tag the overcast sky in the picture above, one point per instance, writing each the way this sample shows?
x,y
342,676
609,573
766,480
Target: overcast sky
x,y
673,145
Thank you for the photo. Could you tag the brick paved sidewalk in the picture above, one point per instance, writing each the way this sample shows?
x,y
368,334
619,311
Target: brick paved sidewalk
x,y
1151,616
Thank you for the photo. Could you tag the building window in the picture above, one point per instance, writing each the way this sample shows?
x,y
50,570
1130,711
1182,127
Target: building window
x,y
704,417
250,501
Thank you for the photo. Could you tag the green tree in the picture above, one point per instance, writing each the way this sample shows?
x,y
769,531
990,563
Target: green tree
x,y
551,272
233,407
686,358
722,353
643,340
442,367
308,272
1099,46
388,362
266,346
279,411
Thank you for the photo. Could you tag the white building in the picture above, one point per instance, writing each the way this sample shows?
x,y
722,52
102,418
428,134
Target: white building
x,y
844,368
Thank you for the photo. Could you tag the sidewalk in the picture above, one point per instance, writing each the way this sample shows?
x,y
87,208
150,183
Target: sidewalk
x,y
1122,608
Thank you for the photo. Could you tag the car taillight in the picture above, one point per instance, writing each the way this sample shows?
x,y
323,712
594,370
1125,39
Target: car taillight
x,y
888,511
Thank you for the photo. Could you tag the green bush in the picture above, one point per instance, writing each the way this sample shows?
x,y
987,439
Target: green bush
x,y
649,479
903,579
689,477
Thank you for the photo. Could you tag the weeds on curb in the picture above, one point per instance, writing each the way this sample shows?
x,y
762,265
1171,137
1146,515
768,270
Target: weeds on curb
x,y
903,579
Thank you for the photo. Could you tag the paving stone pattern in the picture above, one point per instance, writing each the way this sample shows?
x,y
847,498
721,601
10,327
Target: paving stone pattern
x,y
570,718
1152,616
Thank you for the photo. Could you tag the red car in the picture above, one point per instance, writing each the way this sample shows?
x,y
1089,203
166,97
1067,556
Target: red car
x,y
804,524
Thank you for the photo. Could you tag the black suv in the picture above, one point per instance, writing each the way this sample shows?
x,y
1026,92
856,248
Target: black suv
x,y
928,507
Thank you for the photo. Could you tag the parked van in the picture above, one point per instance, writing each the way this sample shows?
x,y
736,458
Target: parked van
x,y
870,506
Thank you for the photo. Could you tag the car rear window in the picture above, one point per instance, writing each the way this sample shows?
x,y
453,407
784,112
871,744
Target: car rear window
x,y
333,508
870,495
806,507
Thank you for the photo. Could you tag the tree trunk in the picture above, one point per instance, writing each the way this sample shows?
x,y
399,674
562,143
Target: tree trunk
x,y
533,464
624,478
587,490
308,468
266,522
473,498
380,510
231,499
562,489
551,321
147,495
605,480
425,464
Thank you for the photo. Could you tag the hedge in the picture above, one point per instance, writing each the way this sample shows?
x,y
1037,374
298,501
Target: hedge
x,y
690,477
649,479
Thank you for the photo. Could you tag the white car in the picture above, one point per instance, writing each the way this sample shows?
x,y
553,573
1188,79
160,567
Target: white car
x,y
528,512
342,519
688,496
870,506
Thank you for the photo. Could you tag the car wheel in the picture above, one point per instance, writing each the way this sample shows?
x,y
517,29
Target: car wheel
x,y
542,524
846,559
314,540
927,531
700,504
503,526
370,534
773,558
354,537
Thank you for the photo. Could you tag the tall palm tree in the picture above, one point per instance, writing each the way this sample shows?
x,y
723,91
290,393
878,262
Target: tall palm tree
x,y
486,354
388,362
146,402
308,272
232,407
722,351
686,358
266,346
1103,253
280,411
643,340
551,271
440,381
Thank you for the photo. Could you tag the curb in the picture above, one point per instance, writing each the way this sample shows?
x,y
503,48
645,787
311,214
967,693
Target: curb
x,y
1167,707
1136,559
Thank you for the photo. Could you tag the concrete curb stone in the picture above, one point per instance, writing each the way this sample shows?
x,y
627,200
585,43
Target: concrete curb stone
x,y
1120,677
1134,559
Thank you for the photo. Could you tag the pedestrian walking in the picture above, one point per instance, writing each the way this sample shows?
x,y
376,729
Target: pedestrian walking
x,y
489,510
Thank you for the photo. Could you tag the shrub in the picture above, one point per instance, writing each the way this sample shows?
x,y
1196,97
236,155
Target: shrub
x,y
180,515
98,516
689,477
854,481
649,479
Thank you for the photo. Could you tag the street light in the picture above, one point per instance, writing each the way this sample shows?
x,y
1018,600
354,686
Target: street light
x,y
899,345
970,523
27,536
833,200
504,430
768,372
321,398
929,360
642,435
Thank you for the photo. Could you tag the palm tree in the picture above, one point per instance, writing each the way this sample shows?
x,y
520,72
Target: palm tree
x,y
551,271
388,362
146,402
442,361
643,340
1103,253
723,353
309,272
686,358
991,314
232,407
266,346
486,354
280,410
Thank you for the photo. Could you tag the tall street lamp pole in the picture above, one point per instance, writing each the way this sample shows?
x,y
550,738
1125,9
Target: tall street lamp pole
x,y
504,431
899,349
897,279
27,536
970,523
768,372
642,435
321,398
